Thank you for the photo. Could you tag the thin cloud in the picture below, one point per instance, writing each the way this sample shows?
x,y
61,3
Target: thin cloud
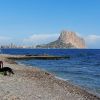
x,y
93,37
2,38
5,40
92,41
40,38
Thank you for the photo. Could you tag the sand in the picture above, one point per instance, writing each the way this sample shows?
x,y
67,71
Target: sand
x,y
33,84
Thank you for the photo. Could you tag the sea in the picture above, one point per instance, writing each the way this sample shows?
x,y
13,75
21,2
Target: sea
x,y
82,69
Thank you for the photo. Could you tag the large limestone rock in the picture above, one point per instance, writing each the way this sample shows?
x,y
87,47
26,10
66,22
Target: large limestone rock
x,y
71,37
66,40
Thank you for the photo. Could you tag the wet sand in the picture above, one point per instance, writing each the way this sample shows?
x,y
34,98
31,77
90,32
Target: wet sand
x,y
33,84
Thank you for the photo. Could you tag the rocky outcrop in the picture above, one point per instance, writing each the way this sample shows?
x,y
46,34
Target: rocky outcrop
x,y
71,37
65,40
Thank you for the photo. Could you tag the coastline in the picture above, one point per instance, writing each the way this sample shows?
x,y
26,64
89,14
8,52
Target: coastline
x,y
34,84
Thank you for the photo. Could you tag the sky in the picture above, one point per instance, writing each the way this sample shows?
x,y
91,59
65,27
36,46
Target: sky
x,y
32,22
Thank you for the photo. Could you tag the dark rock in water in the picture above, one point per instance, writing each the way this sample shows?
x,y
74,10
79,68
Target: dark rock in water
x,y
65,40
45,57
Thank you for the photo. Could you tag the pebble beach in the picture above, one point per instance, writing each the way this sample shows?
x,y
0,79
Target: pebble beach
x,y
34,84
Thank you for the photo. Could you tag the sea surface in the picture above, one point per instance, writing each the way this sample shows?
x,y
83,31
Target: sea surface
x,y
83,67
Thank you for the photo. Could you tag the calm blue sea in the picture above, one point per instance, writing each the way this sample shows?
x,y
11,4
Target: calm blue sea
x,y
83,67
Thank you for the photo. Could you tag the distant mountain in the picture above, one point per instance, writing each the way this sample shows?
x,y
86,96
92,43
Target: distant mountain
x,y
66,40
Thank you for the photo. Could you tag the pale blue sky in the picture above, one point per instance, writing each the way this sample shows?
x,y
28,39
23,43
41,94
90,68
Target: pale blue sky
x,y
22,20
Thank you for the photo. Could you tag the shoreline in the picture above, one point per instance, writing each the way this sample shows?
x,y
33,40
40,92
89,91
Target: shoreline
x,y
47,82
65,80
59,78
